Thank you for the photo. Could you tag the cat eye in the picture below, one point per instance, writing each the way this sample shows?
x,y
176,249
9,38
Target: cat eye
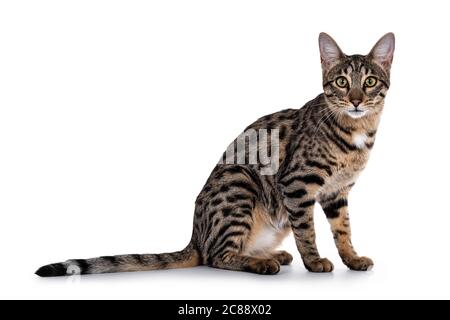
x,y
370,81
341,82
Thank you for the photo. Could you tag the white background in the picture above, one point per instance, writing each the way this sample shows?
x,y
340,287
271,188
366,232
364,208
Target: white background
x,y
113,113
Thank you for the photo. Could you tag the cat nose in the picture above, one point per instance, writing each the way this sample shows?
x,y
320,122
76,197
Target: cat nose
x,y
356,103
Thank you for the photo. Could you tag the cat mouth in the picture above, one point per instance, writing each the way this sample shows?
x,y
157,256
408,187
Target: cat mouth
x,y
356,113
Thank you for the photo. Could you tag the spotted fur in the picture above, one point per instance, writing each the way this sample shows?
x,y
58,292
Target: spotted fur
x,y
241,215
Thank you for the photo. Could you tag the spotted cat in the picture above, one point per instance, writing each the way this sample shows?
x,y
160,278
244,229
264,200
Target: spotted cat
x,y
243,212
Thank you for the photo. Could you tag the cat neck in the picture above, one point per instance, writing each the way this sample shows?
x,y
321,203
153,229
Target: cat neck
x,y
365,124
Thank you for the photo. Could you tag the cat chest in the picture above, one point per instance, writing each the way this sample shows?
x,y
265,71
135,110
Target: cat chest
x,y
359,140
345,173
340,180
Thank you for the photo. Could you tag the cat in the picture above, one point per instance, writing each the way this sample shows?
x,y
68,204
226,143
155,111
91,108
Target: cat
x,y
243,213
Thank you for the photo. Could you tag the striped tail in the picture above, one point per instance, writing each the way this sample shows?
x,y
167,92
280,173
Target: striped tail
x,y
189,257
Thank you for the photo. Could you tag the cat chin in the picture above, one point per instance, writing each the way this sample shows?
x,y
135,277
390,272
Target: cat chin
x,y
356,115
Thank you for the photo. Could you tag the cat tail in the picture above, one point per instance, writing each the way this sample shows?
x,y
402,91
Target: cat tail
x,y
186,258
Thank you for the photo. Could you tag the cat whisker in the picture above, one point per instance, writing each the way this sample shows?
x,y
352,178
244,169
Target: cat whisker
x,y
324,118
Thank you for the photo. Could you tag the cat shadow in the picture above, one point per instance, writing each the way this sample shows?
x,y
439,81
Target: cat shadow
x,y
203,274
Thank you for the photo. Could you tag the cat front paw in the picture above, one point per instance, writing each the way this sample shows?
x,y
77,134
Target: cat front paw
x,y
319,265
359,263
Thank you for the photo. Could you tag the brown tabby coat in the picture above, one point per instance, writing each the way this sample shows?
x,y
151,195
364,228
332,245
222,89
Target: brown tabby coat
x,y
241,215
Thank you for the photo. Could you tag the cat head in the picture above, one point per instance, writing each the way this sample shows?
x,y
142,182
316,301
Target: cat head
x,y
356,85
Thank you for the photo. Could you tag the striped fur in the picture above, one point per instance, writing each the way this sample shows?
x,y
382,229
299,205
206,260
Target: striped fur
x,y
241,216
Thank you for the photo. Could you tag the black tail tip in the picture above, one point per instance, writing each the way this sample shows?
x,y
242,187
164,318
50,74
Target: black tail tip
x,y
52,270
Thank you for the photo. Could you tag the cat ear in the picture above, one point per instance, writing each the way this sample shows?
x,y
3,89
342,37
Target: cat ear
x,y
383,51
330,53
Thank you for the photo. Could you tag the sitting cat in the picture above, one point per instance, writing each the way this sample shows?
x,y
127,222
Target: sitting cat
x,y
248,205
